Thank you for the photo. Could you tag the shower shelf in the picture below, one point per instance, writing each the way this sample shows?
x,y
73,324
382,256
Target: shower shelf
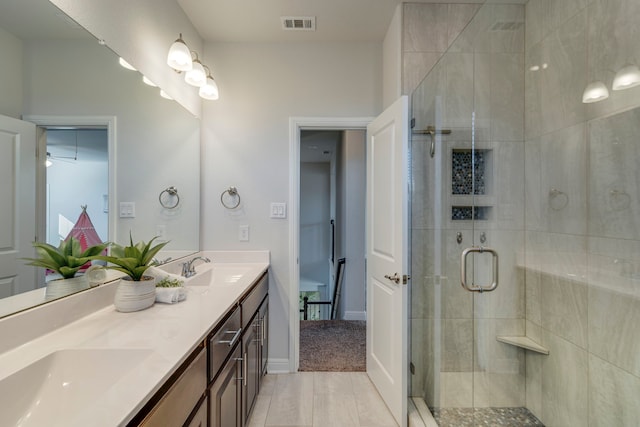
x,y
523,342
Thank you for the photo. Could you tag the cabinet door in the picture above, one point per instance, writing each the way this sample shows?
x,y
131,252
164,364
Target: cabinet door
x,y
225,399
264,339
251,345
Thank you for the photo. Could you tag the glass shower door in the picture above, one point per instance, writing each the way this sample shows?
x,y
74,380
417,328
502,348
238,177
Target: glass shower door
x,y
468,227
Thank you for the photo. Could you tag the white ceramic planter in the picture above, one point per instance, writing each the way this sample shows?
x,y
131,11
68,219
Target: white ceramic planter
x,y
135,296
63,287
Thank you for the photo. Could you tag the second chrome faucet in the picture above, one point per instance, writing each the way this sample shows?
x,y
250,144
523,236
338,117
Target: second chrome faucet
x,y
189,269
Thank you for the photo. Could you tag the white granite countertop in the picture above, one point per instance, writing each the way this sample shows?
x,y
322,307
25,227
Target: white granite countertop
x,y
164,335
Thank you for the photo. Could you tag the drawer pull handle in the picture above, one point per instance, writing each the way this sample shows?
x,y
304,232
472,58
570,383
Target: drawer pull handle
x,y
244,369
240,378
233,340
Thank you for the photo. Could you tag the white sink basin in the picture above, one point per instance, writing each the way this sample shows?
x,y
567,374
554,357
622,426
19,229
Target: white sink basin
x,y
217,275
52,389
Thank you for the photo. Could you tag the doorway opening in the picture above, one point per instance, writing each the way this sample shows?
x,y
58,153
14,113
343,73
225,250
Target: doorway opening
x,y
328,216
79,156
81,152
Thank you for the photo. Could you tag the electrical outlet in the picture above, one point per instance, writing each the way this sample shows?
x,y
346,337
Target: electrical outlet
x,y
243,233
127,209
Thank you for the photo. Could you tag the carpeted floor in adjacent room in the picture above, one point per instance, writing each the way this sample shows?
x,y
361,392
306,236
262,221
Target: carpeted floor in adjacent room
x,y
333,345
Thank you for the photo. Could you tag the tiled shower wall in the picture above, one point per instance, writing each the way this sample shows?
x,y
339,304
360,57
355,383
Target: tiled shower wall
x,y
583,214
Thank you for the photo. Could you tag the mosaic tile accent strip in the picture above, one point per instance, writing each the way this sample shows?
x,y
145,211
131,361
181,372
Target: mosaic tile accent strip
x,y
462,179
489,417
467,213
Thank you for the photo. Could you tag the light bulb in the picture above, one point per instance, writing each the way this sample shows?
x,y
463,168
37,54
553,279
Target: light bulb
x,y
196,76
209,90
595,92
179,56
627,77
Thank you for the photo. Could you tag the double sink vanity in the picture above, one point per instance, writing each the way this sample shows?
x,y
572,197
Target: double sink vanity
x,y
199,362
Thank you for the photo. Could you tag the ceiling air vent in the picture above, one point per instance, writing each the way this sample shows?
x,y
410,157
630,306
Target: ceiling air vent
x,y
298,23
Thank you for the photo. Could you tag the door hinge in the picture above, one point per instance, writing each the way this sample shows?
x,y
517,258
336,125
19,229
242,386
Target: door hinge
x,y
405,279
413,123
412,368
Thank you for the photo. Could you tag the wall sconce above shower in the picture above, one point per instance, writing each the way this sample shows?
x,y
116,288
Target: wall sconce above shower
x,y
626,78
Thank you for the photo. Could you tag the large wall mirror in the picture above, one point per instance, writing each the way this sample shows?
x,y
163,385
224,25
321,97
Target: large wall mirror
x,y
110,139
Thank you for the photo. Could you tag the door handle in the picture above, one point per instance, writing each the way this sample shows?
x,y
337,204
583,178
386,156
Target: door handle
x,y
395,278
463,269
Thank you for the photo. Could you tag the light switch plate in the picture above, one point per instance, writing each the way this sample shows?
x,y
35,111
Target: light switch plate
x,y
278,210
127,209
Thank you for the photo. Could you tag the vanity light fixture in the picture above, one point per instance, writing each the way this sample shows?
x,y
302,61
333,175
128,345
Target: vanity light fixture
x,y
210,89
126,65
179,57
627,77
595,92
148,82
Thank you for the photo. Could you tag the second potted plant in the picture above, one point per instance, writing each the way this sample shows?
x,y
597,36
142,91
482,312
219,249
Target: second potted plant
x,y
65,260
135,291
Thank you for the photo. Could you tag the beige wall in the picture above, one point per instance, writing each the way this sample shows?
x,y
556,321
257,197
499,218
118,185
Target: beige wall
x,y
246,141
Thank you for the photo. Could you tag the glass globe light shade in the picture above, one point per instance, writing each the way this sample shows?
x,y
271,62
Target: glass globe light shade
x,y
196,76
179,56
595,92
627,77
209,90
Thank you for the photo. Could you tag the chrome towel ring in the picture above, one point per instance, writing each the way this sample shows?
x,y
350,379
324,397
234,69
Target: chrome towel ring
x,y
169,198
232,193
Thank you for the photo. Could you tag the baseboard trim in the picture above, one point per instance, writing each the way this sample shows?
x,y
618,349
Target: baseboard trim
x,y
355,315
278,366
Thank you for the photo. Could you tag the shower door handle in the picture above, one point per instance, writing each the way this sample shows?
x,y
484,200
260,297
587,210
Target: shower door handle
x,y
463,269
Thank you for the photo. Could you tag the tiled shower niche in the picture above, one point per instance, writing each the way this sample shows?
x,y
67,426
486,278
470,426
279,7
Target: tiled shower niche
x,y
471,172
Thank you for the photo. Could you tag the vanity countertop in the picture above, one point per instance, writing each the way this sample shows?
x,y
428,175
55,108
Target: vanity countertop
x,y
159,339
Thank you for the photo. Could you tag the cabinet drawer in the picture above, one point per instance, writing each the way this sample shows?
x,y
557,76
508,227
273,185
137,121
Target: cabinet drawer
x,y
222,342
182,397
252,301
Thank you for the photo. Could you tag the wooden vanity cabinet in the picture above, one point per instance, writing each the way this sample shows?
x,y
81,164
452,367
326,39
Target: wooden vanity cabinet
x,y
254,308
225,395
180,396
218,384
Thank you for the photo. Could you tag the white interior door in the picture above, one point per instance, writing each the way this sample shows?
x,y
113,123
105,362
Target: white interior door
x,y
387,255
17,204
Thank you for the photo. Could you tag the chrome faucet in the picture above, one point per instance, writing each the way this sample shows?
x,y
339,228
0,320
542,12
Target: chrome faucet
x,y
188,268
156,261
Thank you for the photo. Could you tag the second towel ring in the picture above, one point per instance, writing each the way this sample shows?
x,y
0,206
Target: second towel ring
x,y
171,192
232,192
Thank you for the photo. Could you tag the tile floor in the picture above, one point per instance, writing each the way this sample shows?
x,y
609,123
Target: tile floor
x,y
320,399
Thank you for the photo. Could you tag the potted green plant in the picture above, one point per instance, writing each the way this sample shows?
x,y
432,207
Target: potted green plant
x,y
136,291
66,260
